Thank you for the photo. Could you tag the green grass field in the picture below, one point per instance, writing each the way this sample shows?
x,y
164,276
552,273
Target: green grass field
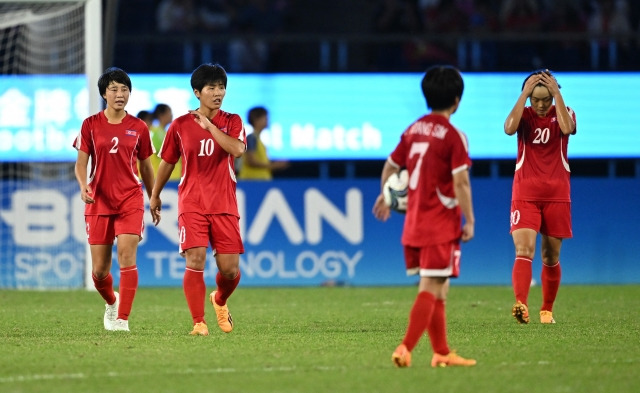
x,y
319,340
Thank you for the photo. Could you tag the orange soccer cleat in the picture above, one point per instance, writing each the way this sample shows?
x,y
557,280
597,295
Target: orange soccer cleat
x,y
451,359
401,357
520,312
200,329
222,313
546,317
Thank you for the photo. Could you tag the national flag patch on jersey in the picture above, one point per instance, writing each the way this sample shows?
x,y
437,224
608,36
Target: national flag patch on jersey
x,y
131,133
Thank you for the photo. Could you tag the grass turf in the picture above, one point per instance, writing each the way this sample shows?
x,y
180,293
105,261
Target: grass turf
x,y
319,340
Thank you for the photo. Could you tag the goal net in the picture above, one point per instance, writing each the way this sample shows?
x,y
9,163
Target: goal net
x,y
45,47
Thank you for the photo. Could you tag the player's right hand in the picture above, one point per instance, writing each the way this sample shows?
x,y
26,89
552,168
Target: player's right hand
x,y
381,210
155,206
531,83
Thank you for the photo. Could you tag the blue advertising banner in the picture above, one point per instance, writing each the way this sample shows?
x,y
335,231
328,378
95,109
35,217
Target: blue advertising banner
x,y
314,232
295,233
323,116
42,235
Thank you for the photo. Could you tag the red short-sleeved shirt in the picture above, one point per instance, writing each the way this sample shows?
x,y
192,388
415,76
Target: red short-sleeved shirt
x,y
542,168
432,150
114,150
208,184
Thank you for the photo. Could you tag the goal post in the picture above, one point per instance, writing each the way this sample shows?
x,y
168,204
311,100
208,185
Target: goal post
x,y
38,213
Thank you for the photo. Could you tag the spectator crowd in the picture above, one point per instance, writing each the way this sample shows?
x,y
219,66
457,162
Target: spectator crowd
x,y
387,35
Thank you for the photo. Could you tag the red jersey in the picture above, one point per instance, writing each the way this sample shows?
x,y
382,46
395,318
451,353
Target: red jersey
x,y
432,150
542,168
208,183
114,150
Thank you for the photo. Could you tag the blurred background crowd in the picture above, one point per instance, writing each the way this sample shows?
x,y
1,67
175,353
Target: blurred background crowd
x,y
376,35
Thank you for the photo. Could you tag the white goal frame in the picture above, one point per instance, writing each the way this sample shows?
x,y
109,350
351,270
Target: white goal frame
x,y
93,64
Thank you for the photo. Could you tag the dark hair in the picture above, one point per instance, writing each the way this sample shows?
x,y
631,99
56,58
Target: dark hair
x,y
145,115
441,85
537,72
255,113
160,109
208,74
113,74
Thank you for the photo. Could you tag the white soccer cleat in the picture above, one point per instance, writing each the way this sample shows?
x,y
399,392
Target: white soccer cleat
x,y
111,313
121,325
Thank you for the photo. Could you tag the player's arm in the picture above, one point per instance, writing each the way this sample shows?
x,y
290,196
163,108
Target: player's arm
x,y
513,119
380,209
462,189
565,121
81,176
162,177
146,173
231,145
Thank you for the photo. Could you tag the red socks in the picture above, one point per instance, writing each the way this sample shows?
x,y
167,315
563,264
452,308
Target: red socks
x,y
128,288
105,288
419,319
521,278
225,288
437,329
194,291
550,284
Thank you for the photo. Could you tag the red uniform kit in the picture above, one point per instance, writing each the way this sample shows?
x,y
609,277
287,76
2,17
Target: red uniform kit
x,y
433,219
541,189
208,183
114,148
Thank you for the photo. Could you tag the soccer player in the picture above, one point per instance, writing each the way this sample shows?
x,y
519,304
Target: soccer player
x,y
116,142
436,155
208,140
255,163
540,199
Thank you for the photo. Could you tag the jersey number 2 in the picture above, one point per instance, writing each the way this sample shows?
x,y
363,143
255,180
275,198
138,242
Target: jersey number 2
x,y
114,148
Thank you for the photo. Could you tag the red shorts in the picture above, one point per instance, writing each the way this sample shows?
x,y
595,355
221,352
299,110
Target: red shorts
x,y
549,218
103,229
222,231
440,260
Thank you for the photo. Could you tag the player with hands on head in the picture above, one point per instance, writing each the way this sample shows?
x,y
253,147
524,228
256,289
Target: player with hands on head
x,y
540,200
208,140
116,142
436,155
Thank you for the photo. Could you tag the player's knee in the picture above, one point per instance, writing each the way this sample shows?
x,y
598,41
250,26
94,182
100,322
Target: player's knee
x,y
550,259
525,251
229,272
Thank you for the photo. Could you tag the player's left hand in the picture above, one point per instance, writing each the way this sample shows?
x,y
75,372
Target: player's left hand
x,y
468,231
550,82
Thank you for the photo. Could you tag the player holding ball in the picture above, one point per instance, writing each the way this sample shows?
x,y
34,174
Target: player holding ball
x,y
436,156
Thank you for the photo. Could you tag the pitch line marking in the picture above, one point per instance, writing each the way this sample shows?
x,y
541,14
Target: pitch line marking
x,y
112,374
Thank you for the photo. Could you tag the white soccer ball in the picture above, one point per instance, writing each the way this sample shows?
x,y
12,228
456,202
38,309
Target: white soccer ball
x,y
396,191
